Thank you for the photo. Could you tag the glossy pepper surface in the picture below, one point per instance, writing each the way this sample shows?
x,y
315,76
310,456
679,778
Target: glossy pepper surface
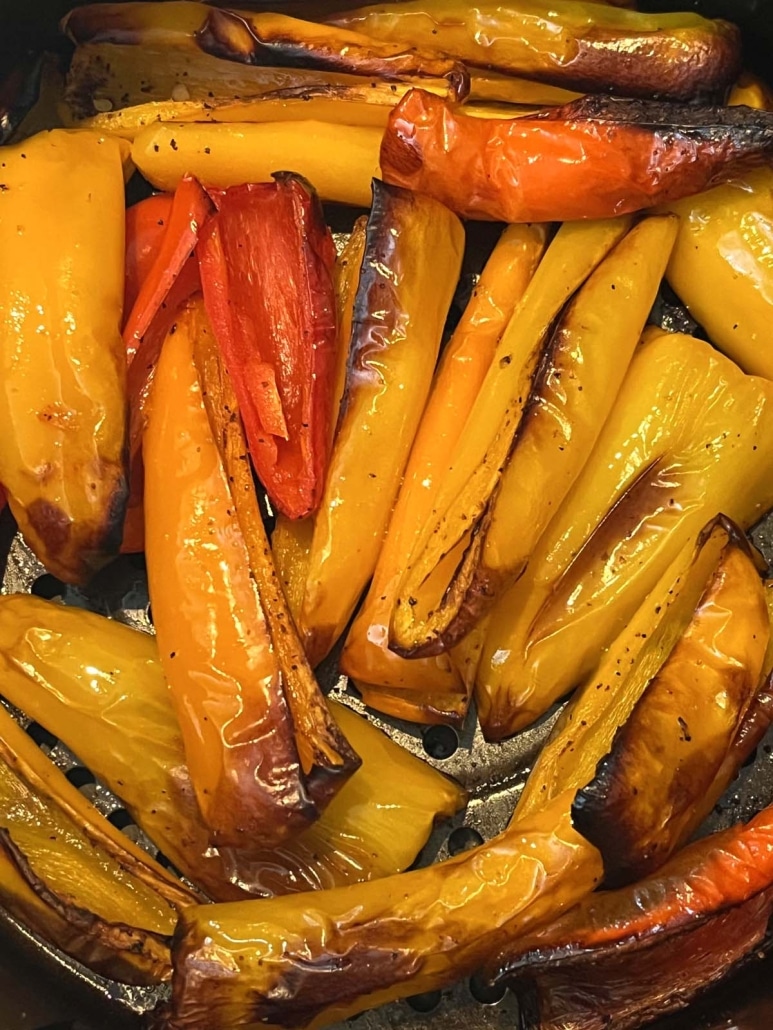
x,y
214,642
585,46
721,267
465,361
259,962
99,686
399,313
594,158
634,954
63,398
690,435
267,275
572,390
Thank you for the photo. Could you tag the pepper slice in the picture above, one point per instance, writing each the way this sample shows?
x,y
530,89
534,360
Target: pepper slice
x,y
272,308
594,158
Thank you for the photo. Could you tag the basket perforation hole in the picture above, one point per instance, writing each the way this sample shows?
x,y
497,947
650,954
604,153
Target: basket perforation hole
x,y
484,992
79,776
441,742
120,818
426,1002
48,587
462,839
41,736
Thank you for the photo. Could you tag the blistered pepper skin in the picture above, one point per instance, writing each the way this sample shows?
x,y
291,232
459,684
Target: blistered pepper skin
x,y
582,46
689,436
594,158
63,396
215,646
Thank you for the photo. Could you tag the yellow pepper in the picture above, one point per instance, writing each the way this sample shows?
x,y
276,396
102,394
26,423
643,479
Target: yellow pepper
x,y
244,741
258,962
466,358
99,686
401,306
69,874
339,160
722,267
690,435
62,363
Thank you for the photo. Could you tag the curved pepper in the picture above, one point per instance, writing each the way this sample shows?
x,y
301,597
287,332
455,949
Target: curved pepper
x,y
624,957
63,402
70,875
581,367
721,268
99,687
594,158
215,645
400,310
465,361
315,959
585,46
689,435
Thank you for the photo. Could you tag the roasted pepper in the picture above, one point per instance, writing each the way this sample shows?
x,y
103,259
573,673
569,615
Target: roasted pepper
x,y
622,958
367,104
477,461
278,39
690,435
100,688
63,403
465,362
642,801
216,646
585,46
400,309
573,388
260,38
594,158
272,308
291,539
721,267
338,160
70,875
259,962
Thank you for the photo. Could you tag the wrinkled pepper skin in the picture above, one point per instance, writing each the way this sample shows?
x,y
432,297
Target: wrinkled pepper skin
x,y
463,366
721,268
584,46
215,646
580,370
474,469
622,958
641,803
99,686
690,435
63,398
594,158
400,310
272,309
338,160
277,39
68,874
313,960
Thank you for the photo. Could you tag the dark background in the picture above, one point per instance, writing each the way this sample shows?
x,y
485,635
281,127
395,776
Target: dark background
x,y
32,996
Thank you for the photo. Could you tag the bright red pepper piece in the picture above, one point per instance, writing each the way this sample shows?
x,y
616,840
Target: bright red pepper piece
x,y
190,208
267,275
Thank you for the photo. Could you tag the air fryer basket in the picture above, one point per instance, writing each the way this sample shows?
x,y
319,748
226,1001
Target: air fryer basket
x,y
493,774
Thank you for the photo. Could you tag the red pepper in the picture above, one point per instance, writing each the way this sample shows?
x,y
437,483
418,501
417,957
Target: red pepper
x,y
594,158
267,274
161,232
189,210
